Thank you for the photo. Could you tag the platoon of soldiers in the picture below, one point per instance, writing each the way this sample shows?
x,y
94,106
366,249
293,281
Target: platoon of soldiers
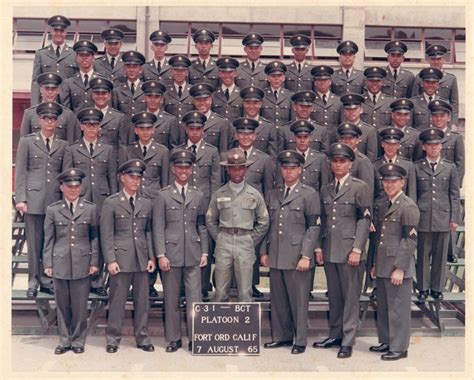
x,y
127,169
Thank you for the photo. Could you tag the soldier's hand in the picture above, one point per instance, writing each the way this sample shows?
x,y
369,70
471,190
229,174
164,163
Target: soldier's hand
x,y
93,270
318,256
203,261
151,266
164,263
22,207
373,274
453,226
264,260
354,258
397,277
113,268
303,264
372,228
48,271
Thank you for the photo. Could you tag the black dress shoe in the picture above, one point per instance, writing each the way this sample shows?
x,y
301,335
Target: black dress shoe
x,y
152,292
147,347
31,293
328,343
111,349
78,350
298,349
276,344
173,346
311,297
380,348
100,291
422,295
205,295
344,352
452,259
47,291
256,293
61,350
394,355
437,295
190,346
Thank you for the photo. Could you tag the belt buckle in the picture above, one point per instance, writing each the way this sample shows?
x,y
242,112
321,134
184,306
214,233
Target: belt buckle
x,y
235,231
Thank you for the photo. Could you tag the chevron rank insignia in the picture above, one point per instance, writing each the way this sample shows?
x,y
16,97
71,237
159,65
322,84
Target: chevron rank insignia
x,y
366,213
413,233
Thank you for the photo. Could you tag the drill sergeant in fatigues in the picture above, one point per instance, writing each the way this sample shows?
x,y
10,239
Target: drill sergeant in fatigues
x,y
206,175
181,243
345,227
347,79
398,82
76,91
110,65
71,256
237,220
225,99
299,76
394,266
401,112
158,68
39,161
448,84
68,126
57,57
204,69
126,238
99,164
251,72
438,200
288,249
267,132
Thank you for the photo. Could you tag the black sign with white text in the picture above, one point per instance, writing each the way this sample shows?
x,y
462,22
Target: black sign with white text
x,y
226,328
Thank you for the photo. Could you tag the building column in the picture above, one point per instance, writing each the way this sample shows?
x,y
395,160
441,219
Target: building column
x,y
353,19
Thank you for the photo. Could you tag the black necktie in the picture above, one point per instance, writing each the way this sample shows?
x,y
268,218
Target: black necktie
x,y
91,148
275,94
86,80
338,185
132,88
112,62
204,65
144,150
131,203
299,68
180,91
48,147
253,67
389,161
347,73
303,154
287,192
159,67
226,93
374,99
183,194
324,99
433,166
245,154
193,147
395,74
58,52
390,204
430,99
71,208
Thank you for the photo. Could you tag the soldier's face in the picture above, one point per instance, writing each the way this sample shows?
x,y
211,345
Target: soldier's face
x,y
179,75
90,130
303,111
436,62
236,173
70,192
440,120
299,54
227,77
276,80
132,71
430,87
145,134
393,186
290,174
347,60
253,52
340,166
194,134
85,60
159,50
113,48
130,183
203,104
352,141
204,48
182,173
48,124
433,151
58,35
49,94
395,59
153,102
374,85
101,98
400,119
302,141
245,139
322,85
352,115
252,107
390,149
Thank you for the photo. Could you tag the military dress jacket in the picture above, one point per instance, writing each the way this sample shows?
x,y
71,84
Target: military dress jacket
x,y
126,234
410,143
229,109
150,72
71,243
368,144
198,74
116,75
299,80
267,137
179,229
363,169
437,195
400,87
397,238
319,137
36,172
68,127
74,95
342,85
378,115
278,111
345,219
420,114
115,129
294,226
245,77
174,104
329,115
218,132
124,101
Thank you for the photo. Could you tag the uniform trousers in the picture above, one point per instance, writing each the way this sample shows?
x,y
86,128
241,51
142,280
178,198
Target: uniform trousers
x,y
432,248
71,304
119,286
344,287
393,313
289,299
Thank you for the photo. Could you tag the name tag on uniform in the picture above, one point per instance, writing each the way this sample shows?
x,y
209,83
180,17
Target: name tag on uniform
x,y
224,199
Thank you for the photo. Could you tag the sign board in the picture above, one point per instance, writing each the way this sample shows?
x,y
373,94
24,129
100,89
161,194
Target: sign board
x,y
226,328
